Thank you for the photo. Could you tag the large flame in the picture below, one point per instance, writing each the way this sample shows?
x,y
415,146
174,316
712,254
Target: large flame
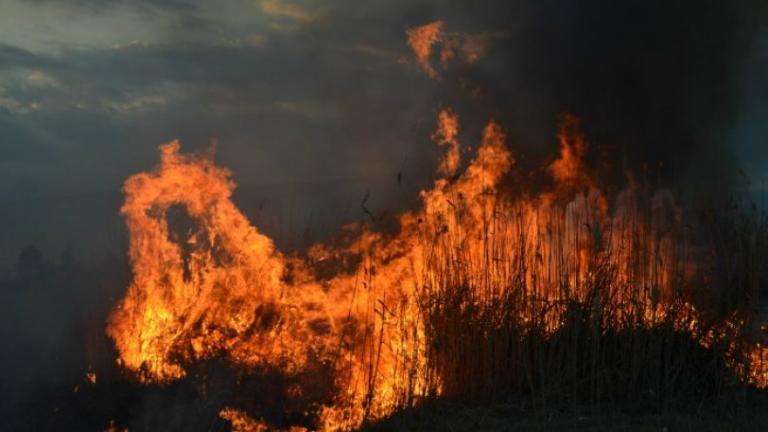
x,y
222,289
215,288
206,283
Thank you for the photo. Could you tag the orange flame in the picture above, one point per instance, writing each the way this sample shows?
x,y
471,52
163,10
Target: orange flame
x,y
446,135
217,289
221,288
468,48
421,39
569,170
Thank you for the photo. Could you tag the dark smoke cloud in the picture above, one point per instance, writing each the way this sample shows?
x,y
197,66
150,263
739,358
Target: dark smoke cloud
x,y
653,81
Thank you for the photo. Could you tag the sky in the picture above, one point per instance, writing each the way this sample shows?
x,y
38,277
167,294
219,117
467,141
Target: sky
x,y
314,104
91,88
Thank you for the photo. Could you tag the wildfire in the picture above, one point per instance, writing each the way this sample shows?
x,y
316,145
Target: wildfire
x,y
220,288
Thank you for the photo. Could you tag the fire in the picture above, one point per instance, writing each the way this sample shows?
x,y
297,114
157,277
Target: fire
x,y
222,288
241,422
219,288
421,39
468,48
446,135
569,169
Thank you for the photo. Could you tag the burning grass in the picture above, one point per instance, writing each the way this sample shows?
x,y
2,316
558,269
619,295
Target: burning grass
x,y
566,296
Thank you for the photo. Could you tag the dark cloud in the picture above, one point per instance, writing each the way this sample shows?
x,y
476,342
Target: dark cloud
x,y
105,5
15,57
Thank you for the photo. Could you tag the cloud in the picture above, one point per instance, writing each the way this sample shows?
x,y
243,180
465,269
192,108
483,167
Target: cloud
x,y
252,40
15,57
137,103
267,96
314,110
103,5
38,78
16,106
283,9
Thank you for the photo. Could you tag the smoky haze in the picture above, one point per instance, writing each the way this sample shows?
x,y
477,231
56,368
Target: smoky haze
x,y
655,83
315,107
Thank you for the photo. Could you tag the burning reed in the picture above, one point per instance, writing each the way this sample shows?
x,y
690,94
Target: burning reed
x,y
563,296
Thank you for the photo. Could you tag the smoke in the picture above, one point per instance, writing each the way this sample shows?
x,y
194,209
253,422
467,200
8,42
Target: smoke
x,y
51,319
656,84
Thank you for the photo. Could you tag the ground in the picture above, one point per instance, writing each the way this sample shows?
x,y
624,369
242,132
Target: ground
x,y
712,415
